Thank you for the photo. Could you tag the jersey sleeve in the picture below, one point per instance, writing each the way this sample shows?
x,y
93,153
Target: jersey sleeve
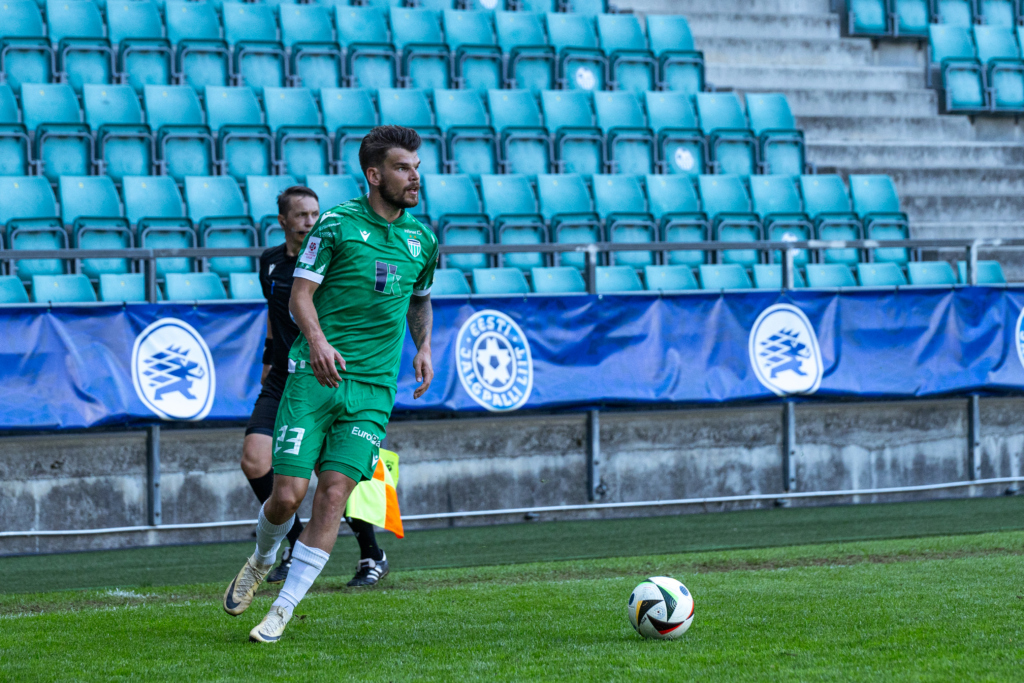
x,y
265,275
426,279
317,250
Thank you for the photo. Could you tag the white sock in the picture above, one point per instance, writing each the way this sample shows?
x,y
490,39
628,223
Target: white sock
x,y
307,564
269,536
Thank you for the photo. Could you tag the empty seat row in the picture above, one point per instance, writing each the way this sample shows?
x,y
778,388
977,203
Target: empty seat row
x,y
315,46
152,215
979,68
912,17
567,209
128,287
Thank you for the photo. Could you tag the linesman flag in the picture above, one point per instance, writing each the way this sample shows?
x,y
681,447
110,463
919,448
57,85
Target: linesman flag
x,y
375,500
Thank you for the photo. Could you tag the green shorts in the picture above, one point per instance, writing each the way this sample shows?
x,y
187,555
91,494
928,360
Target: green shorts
x,y
338,429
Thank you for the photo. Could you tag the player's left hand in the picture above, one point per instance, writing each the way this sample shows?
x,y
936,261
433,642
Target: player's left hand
x,y
424,368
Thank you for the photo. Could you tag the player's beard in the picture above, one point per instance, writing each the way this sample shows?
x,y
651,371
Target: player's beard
x,y
396,198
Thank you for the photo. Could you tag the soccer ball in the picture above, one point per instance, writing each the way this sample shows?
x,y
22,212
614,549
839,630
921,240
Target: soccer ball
x,y
660,608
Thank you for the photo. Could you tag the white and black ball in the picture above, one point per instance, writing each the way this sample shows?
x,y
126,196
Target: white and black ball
x,y
660,608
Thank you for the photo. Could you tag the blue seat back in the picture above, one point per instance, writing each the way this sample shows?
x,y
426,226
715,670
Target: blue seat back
x,y
12,291
333,189
617,279
557,280
774,194
989,272
723,194
829,275
499,281
48,103
669,278
111,104
194,287
931,273
671,194
62,289
669,33
449,282
719,111
191,21
727,276
127,287
880,275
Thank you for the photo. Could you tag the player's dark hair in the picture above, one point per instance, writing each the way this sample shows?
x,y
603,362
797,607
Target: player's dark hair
x,y
382,139
284,200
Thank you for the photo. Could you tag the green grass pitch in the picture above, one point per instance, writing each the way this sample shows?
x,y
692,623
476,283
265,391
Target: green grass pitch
x,y
800,599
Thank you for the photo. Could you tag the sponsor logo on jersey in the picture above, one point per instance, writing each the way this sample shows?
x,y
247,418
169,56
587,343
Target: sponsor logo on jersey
x,y
414,247
494,361
372,438
784,351
365,235
386,278
309,253
172,370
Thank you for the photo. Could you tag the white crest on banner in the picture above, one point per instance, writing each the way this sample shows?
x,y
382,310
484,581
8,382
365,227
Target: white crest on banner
x,y
172,370
784,351
1018,333
494,361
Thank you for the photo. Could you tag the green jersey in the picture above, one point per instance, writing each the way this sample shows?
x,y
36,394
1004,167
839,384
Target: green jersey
x,y
367,269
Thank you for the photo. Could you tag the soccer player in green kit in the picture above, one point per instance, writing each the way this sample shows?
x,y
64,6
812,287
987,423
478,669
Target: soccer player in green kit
x,y
365,270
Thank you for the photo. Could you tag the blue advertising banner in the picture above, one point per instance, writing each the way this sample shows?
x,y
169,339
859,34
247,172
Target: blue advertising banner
x,y
73,367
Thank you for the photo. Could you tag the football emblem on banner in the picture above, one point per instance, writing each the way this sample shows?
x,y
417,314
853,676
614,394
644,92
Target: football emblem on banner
x,y
172,370
494,362
784,351
414,247
1019,336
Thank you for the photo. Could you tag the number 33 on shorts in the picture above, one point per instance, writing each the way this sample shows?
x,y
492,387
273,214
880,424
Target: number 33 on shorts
x,y
282,439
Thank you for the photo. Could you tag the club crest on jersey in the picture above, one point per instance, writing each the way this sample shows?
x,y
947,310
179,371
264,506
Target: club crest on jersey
x,y
494,361
309,253
414,247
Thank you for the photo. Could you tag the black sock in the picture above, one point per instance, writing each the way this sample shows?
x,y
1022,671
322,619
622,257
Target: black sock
x,y
367,539
263,486
293,533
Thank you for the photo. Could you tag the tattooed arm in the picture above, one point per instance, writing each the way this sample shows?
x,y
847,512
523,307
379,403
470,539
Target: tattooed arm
x,y
421,321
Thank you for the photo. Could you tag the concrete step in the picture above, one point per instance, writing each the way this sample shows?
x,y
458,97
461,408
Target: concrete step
x,y
877,128
732,6
770,77
894,103
854,156
963,207
784,51
720,24
939,180
938,230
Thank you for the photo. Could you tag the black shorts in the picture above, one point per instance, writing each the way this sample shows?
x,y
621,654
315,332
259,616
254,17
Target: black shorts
x,y
265,412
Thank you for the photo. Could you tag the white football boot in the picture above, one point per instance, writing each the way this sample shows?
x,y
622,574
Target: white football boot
x,y
242,589
271,628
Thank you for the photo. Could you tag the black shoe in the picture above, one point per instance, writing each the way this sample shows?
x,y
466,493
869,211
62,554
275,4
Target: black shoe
x,y
280,572
369,572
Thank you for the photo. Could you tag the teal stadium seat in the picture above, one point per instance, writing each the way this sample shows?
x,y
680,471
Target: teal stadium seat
x,y
776,201
959,13
143,54
511,205
566,205
829,275
26,56
769,276
619,201
476,57
732,144
557,280
880,275
578,142
470,142
349,114
581,63
525,144
912,17
631,65
62,143
303,145
591,7
90,205
989,273
669,278
629,143
998,12
828,205
370,57
868,17
194,287
84,55
216,208
999,53
876,202
127,287
454,206
780,144
124,144
62,289
28,209
449,282
680,65
244,144
258,58
315,59
727,204
201,57
262,192
12,291
411,108
727,276
245,286
931,273
499,281
682,147
184,144
334,189
530,60
424,56
673,202
539,5
15,145
154,206
614,279
962,76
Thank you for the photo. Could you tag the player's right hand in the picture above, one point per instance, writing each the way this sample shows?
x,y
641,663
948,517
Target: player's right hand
x,y
325,359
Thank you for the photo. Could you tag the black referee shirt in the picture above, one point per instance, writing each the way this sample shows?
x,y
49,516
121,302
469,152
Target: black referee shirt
x,y
276,269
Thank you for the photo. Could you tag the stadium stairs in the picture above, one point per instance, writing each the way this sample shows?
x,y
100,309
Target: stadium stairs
x,y
865,108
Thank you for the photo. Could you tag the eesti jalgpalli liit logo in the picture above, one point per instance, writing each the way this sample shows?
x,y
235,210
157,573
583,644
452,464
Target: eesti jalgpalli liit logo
x,y
172,370
494,361
784,351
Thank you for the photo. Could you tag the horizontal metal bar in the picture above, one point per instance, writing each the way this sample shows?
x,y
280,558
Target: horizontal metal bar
x,y
550,508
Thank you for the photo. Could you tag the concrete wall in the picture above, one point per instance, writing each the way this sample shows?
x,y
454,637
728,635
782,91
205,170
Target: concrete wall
x,y
83,481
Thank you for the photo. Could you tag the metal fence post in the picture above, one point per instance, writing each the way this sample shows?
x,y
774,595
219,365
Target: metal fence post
x,y
972,263
974,438
149,266
594,490
788,279
153,511
789,446
592,269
